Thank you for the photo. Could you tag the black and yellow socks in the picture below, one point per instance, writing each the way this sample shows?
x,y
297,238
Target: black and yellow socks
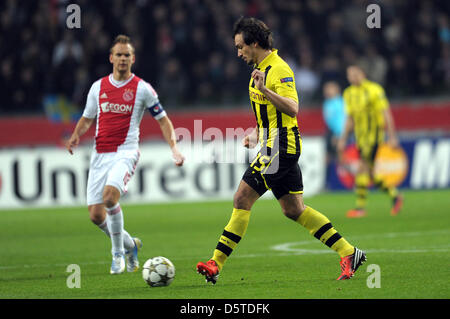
x,y
381,184
362,182
231,236
317,224
320,227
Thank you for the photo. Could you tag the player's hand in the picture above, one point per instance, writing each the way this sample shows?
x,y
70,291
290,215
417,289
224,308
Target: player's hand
x,y
178,157
393,142
340,147
258,79
73,142
249,141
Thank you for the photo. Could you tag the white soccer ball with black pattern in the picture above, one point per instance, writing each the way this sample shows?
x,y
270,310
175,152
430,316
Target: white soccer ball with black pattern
x,y
158,271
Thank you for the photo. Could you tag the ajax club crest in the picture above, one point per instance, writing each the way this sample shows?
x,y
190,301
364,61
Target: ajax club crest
x,y
128,95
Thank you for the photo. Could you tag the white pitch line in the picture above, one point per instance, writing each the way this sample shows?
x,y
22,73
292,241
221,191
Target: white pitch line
x,y
53,265
285,249
290,248
403,234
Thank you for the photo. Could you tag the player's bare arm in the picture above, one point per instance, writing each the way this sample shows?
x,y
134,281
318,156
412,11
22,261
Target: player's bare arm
x,y
390,127
169,135
82,126
281,103
251,140
348,127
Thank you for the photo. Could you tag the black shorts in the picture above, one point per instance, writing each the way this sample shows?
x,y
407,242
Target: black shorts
x,y
279,173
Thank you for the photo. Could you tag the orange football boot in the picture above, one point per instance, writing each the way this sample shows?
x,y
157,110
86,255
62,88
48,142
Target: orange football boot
x,y
397,206
356,213
209,270
349,264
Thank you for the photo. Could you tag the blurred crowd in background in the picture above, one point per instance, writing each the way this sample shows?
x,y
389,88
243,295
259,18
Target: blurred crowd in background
x,y
184,48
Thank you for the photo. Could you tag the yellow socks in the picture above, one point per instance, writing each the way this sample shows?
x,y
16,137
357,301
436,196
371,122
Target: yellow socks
x,y
392,191
320,227
362,182
317,224
232,234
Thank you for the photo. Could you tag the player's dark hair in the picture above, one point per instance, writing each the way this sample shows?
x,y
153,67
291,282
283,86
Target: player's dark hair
x,y
123,39
254,30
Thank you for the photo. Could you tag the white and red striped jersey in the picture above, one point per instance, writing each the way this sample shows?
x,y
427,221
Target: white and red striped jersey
x,y
119,107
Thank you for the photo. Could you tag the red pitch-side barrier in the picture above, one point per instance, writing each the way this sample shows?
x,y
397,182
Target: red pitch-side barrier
x,y
38,130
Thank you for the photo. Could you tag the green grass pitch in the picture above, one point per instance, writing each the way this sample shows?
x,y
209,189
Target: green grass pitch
x,y
277,259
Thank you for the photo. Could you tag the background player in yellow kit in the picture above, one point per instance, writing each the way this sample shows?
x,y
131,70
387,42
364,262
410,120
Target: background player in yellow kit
x,y
369,116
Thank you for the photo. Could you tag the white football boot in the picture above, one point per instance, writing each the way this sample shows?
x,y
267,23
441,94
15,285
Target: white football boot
x,y
132,256
118,264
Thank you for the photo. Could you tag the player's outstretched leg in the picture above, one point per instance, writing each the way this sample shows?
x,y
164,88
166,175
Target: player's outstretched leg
x,y
231,236
350,264
132,256
234,231
321,228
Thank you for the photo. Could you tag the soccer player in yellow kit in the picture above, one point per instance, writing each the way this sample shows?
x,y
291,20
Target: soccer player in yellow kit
x,y
274,101
368,115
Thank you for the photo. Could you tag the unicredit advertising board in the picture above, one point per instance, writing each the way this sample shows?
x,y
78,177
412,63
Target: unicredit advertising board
x,y
44,177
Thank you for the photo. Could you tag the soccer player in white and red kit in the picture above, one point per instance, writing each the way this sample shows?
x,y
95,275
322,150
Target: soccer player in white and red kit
x,y
117,103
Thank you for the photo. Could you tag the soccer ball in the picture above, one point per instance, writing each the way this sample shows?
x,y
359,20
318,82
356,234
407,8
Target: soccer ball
x,y
158,271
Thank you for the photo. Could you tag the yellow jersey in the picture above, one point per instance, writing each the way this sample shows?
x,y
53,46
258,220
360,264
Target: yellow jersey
x,y
365,104
277,130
